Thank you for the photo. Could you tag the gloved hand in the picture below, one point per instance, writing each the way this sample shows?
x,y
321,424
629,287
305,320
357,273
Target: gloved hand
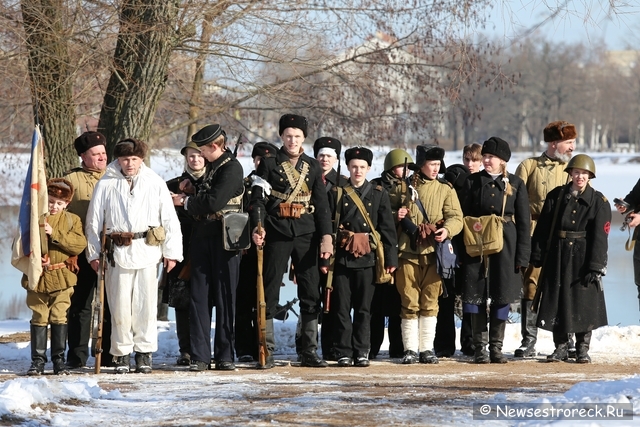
x,y
359,245
592,277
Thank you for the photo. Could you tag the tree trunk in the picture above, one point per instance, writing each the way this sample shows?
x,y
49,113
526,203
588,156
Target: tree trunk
x,y
145,42
51,82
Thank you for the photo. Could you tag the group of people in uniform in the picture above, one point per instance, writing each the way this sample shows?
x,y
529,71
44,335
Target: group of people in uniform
x,y
359,251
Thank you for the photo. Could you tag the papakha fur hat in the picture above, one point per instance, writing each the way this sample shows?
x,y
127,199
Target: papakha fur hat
x,y
88,140
60,188
559,131
130,147
293,121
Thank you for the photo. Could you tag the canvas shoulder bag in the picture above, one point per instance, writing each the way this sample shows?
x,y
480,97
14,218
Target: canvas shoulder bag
x,y
483,235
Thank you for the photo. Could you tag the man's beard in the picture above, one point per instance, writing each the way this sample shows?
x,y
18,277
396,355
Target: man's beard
x,y
564,157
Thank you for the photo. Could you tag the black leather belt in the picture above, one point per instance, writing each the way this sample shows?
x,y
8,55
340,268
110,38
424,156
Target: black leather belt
x,y
572,234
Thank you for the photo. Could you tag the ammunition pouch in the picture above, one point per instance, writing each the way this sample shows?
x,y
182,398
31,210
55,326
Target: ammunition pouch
x,y
291,210
155,236
125,238
72,264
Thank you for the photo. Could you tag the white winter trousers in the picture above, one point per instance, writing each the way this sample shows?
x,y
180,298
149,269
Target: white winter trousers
x,y
133,301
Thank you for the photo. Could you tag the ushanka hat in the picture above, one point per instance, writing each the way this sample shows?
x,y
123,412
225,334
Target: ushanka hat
x,y
559,131
326,142
360,153
130,147
428,152
88,140
263,149
208,134
293,121
498,147
60,188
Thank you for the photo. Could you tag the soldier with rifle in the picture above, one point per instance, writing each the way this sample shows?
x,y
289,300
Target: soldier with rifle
x,y
327,151
91,147
246,344
386,299
143,227
297,225
630,207
361,210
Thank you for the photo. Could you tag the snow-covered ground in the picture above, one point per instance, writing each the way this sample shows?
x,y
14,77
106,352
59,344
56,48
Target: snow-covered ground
x,y
174,396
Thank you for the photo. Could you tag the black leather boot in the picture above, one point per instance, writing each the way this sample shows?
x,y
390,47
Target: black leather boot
x,y
58,346
271,345
480,336
38,350
496,338
528,329
583,341
309,342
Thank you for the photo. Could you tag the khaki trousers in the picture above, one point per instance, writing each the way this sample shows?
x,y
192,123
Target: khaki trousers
x,y
49,307
419,287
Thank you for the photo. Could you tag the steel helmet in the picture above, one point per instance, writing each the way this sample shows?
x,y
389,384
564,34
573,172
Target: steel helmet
x,y
581,161
396,157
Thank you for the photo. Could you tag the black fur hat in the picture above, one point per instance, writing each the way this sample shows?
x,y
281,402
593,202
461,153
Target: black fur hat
x,y
88,140
293,121
361,153
428,152
328,143
498,147
263,149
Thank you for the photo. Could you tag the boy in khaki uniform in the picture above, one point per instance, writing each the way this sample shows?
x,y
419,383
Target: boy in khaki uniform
x,y
416,278
51,299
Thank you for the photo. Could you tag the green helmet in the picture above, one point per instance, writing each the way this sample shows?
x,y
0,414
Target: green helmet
x,y
190,144
582,161
397,157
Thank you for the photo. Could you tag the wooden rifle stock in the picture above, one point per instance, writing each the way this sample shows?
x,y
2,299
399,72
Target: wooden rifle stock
x,y
328,288
100,302
263,352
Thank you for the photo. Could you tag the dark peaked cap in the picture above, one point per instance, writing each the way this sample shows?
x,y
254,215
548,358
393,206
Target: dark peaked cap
x,y
208,134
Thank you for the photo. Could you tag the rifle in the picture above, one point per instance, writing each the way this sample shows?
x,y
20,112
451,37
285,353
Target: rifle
x,y
328,288
238,144
282,311
263,351
99,303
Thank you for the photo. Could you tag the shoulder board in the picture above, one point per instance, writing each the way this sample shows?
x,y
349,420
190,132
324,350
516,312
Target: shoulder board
x,y
379,188
604,199
78,169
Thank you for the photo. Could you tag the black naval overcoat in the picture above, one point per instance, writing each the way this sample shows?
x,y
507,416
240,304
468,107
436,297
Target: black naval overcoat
x,y
567,303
